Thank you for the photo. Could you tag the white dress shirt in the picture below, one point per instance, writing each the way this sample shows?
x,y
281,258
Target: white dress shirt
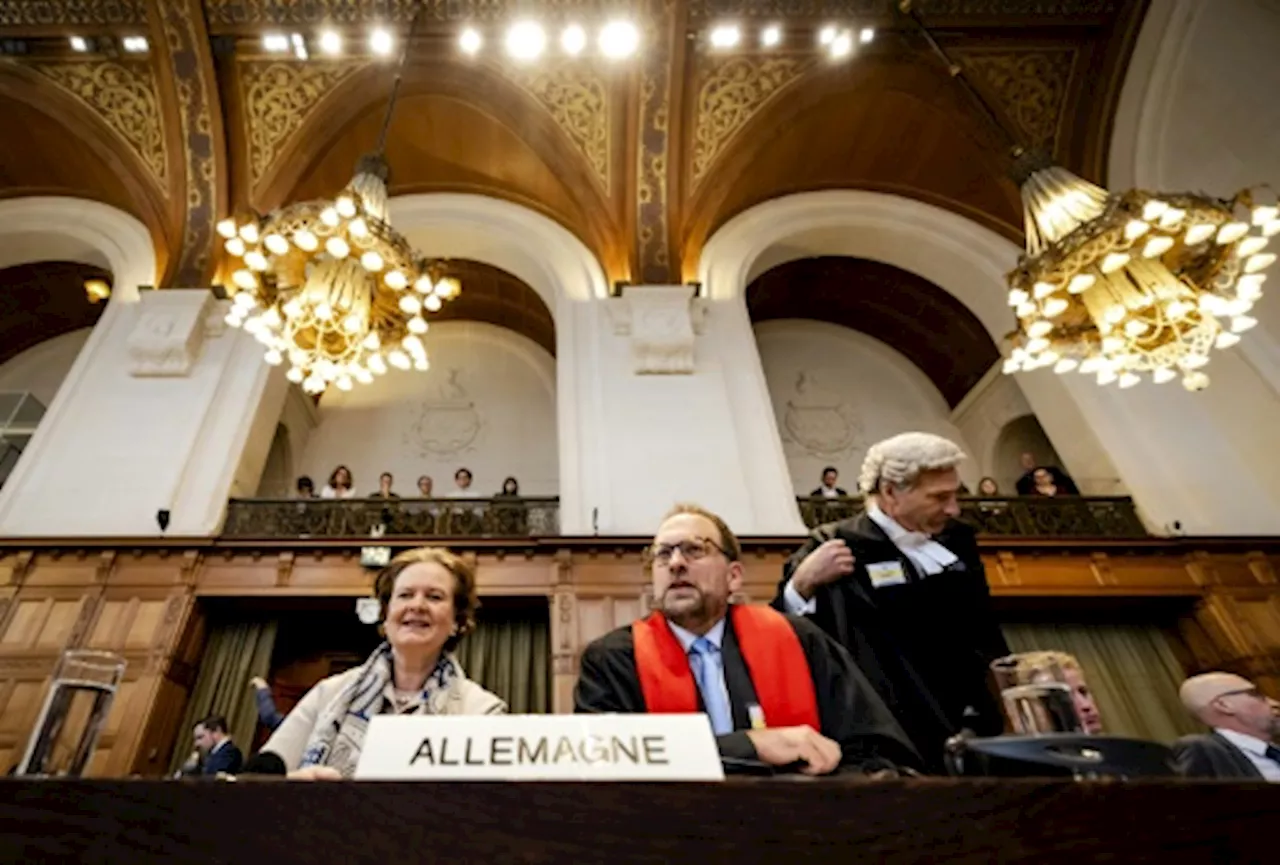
x,y
715,637
928,556
1256,750
330,493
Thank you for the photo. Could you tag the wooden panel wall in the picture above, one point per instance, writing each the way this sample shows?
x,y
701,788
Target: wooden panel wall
x,y
145,605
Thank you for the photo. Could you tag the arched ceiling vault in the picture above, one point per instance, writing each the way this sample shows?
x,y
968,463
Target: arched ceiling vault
x,y
641,159
929,326
42,300
496,297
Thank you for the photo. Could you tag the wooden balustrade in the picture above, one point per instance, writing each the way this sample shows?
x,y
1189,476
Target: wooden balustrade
x,y
1013,517
501,516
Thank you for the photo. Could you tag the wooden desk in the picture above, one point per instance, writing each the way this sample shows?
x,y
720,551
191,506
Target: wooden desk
x,y
740,822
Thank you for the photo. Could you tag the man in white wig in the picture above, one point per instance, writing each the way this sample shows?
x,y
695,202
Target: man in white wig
x,y
902,587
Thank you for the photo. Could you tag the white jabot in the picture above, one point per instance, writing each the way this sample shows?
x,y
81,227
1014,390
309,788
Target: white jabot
x,y
1256,750
829,492
929,556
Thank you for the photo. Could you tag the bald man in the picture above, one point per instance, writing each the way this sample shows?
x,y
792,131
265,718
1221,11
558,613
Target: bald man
x,y
1243,721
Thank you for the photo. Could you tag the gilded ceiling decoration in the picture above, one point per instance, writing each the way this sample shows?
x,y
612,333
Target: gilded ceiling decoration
x,y
653,244
278,96
14,13
731,91
229,13
578,98
125,96
705,10
1030,86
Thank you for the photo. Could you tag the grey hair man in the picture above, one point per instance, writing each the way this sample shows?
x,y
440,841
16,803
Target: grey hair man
x,y
902,587
1243,723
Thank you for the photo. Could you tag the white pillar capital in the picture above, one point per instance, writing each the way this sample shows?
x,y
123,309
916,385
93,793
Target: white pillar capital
x,y
171,329
662,321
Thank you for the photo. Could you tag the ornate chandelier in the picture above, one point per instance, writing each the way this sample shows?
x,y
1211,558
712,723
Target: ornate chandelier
x,y
330,287
1116,286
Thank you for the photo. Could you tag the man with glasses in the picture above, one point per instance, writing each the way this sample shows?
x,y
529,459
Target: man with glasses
x,y
778,692
1244,722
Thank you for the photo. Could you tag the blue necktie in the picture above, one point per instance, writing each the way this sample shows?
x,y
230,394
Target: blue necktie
x,y
705,660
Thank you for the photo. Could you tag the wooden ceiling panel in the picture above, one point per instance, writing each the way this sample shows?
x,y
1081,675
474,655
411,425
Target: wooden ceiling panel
x,y
906,312
494,296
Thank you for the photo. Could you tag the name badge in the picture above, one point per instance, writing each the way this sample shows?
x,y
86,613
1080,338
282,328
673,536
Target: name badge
x,y
540,748
886,574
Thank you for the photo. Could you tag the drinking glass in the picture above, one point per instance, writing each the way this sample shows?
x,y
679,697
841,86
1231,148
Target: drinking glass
x,y
74,713
1036,696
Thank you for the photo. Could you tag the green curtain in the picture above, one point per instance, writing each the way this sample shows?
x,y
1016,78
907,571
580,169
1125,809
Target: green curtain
x,y
1131,669
234,653
511,658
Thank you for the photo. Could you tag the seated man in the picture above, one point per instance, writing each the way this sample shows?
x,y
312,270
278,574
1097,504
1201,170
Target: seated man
x,y
775,687
1244,723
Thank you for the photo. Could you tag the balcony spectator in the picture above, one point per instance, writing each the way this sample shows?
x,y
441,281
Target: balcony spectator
x,y
305,488
1043,484
1027,483
510,489
829,490
384,487
424,486
340,485
988,487
462,479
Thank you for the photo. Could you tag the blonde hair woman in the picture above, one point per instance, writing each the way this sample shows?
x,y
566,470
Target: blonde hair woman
x,y
428,600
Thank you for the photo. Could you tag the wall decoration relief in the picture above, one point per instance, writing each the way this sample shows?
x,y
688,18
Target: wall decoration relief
x,y
819,421
448,423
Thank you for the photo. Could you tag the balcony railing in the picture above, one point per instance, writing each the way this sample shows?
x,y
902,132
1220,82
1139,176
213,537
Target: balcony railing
x,y
501,517
1021,517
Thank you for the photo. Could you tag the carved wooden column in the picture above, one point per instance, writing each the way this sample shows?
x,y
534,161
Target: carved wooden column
x,y
564,633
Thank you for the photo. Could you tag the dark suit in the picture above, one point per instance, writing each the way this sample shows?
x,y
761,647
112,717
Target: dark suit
x,y
1211,755
1066,486
851,712
840,491
225,759
926,644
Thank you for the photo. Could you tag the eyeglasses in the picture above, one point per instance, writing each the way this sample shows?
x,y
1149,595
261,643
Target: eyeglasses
x,y
692,550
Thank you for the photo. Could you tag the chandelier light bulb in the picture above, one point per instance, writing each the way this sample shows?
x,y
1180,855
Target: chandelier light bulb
x,y
1265,213
249,232
1194,361
329,216
1225,340
1259,262
244,301
1112,344
331,42
1081,282
1055,306
232,319
1010,366
305,240
526,40
293,309
1037,345
377,365
432,303
244,279
1039,328
1041,290
573,40
412,344
346,206
725,36
380,42
1025,309
417,325
273,357
235,246
398,359
255,260
295,375
470,41
358,228
1163,375
371,261
227,228
1157,246
423,285
343,382
353,324
1065,365
771,36
323,311
1017,297
1241,323
841,46
1154,209
420,363
1231,232
1194,381
272,319
371,341
1135,228
337,247
1135,327
410,304
1129,379
619,39
1106,375
276,244
447,287
395,280
1198,234
363,376
1251,245
1114,261
1250,287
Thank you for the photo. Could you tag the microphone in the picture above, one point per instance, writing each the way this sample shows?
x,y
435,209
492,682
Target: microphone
x,y
595,521
265,763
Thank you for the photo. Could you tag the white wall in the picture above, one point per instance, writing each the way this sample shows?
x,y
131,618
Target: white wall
x,y
488,403
836,392
41,369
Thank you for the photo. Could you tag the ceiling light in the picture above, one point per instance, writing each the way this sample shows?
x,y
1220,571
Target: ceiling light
x,y
771,36
867,34
526,40
469,41
134,44
299,46
725,36
827,34
79,43
275,42
573,40
331,42
619,39
380,42
96,290
841,46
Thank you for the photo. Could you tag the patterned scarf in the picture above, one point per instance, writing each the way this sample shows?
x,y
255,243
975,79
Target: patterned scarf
x,y
338,735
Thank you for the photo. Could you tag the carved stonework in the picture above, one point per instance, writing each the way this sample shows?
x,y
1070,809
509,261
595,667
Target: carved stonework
x,y
449,423
125,96
224,14
708,10
730,92
18,13
653,243
190,64
278,96
819,421
171,330
662,321
1030,87
578,98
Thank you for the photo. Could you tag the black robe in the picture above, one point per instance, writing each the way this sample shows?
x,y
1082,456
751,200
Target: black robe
x,y
925,645
1026,484
851,712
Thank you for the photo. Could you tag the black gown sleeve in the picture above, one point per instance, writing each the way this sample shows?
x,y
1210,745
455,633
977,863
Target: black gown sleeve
x,y
852,713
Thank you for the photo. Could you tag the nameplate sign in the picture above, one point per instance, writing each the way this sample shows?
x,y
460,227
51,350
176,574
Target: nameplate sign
x,y
539,748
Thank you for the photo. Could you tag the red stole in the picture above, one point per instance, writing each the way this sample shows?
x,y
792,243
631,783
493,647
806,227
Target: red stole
x,y
775,661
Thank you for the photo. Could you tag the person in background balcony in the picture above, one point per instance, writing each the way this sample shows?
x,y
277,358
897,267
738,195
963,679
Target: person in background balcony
x,y
424,486
384,487
268,715
774,687
902,587
462,481
305,488
340,485
1043,484
428,599
988,487
829,489
510,489
1027,483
